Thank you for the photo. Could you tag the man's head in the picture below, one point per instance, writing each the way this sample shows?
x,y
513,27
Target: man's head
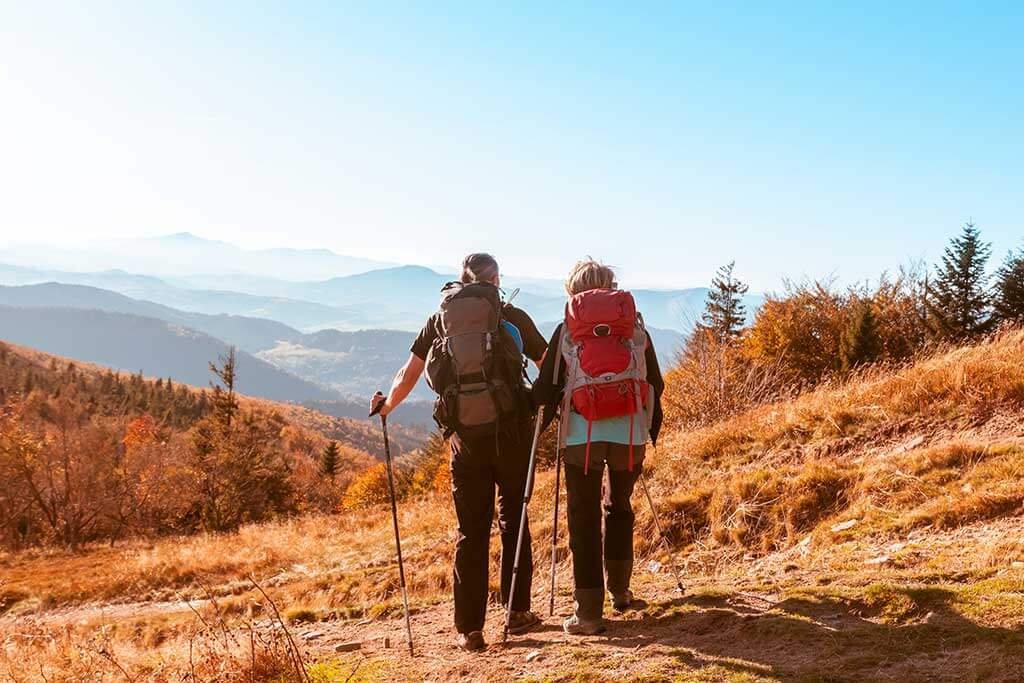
x,y
480,268
589,274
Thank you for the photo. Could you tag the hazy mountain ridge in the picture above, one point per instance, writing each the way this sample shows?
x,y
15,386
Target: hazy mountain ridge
x,y
353,363
328,341
158,348
247,333
185,253
370,296
341,368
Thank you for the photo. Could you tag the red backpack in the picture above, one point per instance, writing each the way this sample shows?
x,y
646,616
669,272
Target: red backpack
x,y
603,347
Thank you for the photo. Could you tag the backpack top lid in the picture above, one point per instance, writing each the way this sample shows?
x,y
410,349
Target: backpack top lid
x,y
601,313
469,308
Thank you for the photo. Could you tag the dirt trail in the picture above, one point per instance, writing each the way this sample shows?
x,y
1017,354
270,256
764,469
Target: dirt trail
x,y
708,635
97,613
804,613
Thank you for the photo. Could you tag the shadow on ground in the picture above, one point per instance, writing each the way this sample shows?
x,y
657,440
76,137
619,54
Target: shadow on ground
x,y
911,634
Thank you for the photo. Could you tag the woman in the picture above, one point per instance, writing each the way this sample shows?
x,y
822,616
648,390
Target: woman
x,y
603,375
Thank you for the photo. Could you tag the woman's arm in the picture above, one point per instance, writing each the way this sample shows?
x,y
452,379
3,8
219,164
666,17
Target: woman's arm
x,y
657,383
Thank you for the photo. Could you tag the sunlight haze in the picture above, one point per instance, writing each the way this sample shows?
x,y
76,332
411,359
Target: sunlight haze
x,y
816,141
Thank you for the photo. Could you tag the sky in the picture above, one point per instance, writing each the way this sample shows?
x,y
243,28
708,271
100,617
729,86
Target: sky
x,y
798,139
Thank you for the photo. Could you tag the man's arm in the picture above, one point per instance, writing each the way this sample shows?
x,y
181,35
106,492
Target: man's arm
x,y
405,380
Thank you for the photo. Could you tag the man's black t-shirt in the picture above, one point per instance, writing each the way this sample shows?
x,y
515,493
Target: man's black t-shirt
x,y
534,345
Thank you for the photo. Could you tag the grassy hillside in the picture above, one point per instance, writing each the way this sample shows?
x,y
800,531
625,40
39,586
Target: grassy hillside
x,y
869,530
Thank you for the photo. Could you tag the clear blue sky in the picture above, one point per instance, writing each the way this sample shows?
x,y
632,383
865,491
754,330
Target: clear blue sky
x,y
801,139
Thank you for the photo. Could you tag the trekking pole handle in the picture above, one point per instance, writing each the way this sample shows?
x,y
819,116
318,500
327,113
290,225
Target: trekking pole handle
x,y
376,403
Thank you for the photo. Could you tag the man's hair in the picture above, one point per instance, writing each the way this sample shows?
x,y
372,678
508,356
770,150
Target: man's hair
x,y
590,274
479,268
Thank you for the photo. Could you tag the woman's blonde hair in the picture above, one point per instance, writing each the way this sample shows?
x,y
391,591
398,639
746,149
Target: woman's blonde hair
x,y
589,274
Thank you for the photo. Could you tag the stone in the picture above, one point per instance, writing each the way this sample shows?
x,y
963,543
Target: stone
x,y
533,655
347,647
843,526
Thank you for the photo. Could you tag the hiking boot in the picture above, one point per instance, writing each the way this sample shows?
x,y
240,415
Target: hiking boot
x,y
521,622
574,626
619,573
471,642
627,601
587,618
622,601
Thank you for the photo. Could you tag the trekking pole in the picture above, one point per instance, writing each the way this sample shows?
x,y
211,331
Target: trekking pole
x,y
522,524
554,530
378,404
661,532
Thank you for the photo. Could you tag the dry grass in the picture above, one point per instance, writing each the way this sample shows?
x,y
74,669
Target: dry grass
x,y
781,471
211,644
960,388
928,460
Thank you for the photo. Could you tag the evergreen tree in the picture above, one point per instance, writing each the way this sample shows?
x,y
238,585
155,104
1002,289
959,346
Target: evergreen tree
x,y
225,405
329,460
238,459
861,342
724,312
1009,290
958,299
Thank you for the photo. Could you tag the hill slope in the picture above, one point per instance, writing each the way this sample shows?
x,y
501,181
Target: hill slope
x,y
45,371
247,333
866,531
133,343
353,364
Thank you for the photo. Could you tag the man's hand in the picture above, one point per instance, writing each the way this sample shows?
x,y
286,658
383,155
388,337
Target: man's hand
x,y
378,405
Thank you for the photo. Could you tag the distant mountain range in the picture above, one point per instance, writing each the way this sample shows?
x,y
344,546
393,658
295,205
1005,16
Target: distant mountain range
x,y
157,348
187,254
339,369
312,326
394,298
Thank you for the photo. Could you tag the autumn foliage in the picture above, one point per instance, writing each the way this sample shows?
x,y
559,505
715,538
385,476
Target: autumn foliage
x,y
90,455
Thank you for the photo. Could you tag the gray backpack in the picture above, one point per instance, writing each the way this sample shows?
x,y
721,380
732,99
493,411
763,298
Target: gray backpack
x,y
474,365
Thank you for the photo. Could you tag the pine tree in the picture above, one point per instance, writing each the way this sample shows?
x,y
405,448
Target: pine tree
x,y
724,312
958,299
1009,290
861,342
224,403
329,460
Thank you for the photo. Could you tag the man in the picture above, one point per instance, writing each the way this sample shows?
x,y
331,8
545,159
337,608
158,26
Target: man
x,y
472,350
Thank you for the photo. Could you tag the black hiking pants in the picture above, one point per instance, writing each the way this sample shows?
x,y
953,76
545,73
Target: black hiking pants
x,y
478,466
592,554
